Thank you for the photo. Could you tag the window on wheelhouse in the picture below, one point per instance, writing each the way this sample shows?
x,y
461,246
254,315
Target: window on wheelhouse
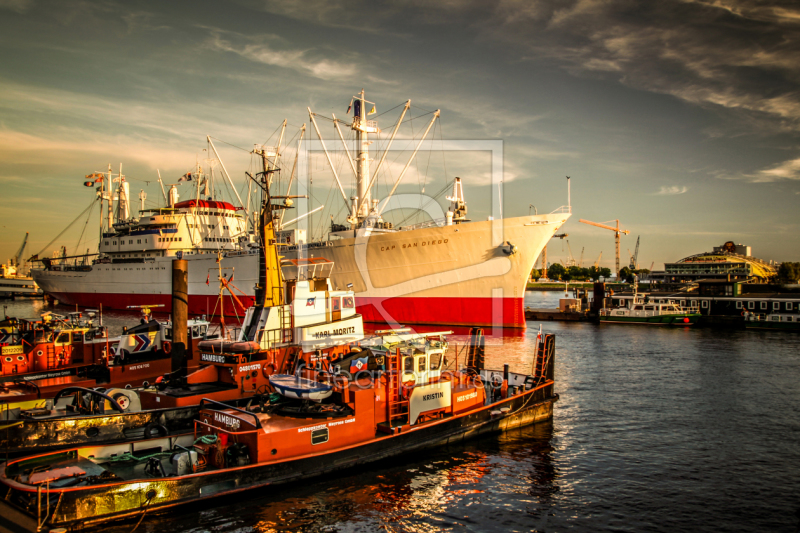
x,y
435,361
168,333
63,337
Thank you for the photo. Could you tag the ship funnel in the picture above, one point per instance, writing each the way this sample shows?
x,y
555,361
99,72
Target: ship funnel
x,y
173,196
123,200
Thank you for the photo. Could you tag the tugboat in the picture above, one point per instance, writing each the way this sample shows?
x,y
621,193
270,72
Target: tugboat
x,y
296,322
638,309
71,351
402,399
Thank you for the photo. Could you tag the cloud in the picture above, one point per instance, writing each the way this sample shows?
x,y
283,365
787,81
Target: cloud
x,y
19,6
671,191
297,60
735,54
788,170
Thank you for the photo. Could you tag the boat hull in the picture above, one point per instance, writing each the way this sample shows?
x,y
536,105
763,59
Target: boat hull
x,y
88,506
471,274
664,320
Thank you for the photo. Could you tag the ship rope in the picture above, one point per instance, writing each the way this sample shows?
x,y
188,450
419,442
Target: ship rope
x,y
145,508
88,209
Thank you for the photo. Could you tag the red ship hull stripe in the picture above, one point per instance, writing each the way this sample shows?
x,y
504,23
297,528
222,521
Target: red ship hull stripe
x,y
505,312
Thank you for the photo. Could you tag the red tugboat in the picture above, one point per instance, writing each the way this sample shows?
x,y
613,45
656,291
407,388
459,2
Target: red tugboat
x,y
326,418
61,352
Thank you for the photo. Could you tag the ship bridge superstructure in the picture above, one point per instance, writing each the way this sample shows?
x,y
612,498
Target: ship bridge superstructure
x,y
192,226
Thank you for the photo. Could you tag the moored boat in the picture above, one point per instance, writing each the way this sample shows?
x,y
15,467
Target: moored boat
x,y
776,321
408,402
639,309
72,351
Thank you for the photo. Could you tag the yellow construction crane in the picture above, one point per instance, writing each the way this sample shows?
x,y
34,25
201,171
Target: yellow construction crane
x,y
597,263
616,231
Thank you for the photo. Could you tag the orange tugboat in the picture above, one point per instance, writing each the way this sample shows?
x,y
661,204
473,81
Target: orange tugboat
x,y
72,351
392,396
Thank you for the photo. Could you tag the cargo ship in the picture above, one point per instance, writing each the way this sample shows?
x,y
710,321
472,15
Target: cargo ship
x,y
448,271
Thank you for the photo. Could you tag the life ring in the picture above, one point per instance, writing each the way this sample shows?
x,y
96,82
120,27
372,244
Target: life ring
x,y
166,346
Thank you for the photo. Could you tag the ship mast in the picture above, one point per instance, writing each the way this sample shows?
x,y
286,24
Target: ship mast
x,y
269,291
361,206
363,128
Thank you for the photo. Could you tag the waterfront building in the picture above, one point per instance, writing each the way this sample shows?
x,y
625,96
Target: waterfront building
x,y
730,262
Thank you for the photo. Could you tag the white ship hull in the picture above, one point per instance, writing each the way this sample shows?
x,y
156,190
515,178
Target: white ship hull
x,y
462,274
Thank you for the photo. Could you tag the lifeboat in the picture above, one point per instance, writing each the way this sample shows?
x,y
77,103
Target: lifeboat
x,y
300,388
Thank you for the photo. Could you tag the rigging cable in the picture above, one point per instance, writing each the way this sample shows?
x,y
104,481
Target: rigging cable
x,y
69,226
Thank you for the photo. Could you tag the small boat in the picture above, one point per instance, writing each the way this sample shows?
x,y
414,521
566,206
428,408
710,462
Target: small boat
x,y
781,321
72,351
407,399
638,309
300,388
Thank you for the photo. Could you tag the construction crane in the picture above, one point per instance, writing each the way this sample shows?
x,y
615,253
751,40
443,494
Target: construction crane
x,y
571,261
580,263
544,251
597,263
616,231
635,257
15,260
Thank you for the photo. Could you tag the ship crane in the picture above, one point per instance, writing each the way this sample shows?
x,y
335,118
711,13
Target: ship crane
x,y
544,251
616,231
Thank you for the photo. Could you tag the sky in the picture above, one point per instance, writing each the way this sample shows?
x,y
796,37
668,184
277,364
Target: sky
x,y
679,118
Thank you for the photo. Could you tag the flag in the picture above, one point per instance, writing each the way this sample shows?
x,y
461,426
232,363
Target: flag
x,y
372,111
358,364
208,279
349,107
310,302
96,176
231,280
186,177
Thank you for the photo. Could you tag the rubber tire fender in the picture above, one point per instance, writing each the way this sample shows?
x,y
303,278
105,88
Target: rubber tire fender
x,y
161,430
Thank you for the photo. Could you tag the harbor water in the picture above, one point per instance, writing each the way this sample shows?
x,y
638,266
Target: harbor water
x,y
656,429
